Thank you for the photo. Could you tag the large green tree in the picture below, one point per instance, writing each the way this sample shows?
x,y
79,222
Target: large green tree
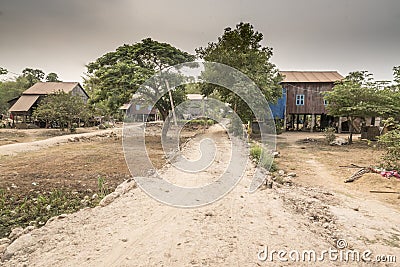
x,y
52,77
10,89
62,108
241,49
358,95
3,71
396,75
114,77
13,87
33,75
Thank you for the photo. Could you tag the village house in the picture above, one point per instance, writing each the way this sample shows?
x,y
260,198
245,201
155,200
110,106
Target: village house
x,y
302,105
23,106
139,110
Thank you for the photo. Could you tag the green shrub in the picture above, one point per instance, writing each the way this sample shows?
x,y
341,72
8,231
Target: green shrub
x,y
390,141
278,126
264,160
255,152
102,187
197,122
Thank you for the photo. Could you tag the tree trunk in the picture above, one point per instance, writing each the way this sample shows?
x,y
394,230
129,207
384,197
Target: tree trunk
x,y
164,114
165,127
351,130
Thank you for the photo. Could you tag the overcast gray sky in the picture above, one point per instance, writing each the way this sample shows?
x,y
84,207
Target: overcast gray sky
x,y
62,36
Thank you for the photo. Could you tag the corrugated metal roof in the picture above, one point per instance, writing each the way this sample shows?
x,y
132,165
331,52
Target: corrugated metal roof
x,y
125,106
311,76
195,97
24,103
45,88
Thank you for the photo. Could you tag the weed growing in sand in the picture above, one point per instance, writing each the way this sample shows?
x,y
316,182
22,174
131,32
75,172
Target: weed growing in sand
x,y
257,153
20,210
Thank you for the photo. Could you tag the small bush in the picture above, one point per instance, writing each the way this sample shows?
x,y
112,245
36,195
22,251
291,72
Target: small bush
x,y
329,134
102,187
264,160
391,142
196,122
255,152
278,126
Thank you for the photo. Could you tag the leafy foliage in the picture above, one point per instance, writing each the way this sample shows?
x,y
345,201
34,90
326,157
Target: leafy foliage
x,y
241,49
358,95
3,71
62,108
114,77
52,77
396,74
278,126
33,75
391,142
11,89
258,154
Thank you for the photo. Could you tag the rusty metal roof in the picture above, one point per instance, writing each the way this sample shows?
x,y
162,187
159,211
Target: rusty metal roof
x,y
311,76
45,88
24,103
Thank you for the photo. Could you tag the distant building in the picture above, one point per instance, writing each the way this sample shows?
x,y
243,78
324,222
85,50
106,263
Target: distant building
x,y
302,104
196,106
140,112
140,109
24,105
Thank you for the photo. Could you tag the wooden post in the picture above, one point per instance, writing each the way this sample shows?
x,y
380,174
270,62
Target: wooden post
x,y
373,121
285,114
284,122
340,125
293,122
312,122
172,103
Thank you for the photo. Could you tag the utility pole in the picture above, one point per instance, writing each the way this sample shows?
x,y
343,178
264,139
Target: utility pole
x,y
172,103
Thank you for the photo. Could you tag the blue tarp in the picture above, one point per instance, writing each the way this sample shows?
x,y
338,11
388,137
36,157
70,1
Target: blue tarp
x,y
278,109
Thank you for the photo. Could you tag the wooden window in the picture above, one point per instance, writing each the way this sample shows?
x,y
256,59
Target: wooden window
x,y
299,100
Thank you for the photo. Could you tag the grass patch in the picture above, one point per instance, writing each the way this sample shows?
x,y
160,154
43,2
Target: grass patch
x,y
264,159
35,208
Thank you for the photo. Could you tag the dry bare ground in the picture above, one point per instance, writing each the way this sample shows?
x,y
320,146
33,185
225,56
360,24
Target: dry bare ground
x,y
135,230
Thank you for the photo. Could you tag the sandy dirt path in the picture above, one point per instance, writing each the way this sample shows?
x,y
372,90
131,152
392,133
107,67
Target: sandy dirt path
x,y
13,149
135,230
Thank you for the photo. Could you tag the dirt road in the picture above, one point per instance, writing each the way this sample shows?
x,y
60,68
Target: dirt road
x,y
13,149
135,230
